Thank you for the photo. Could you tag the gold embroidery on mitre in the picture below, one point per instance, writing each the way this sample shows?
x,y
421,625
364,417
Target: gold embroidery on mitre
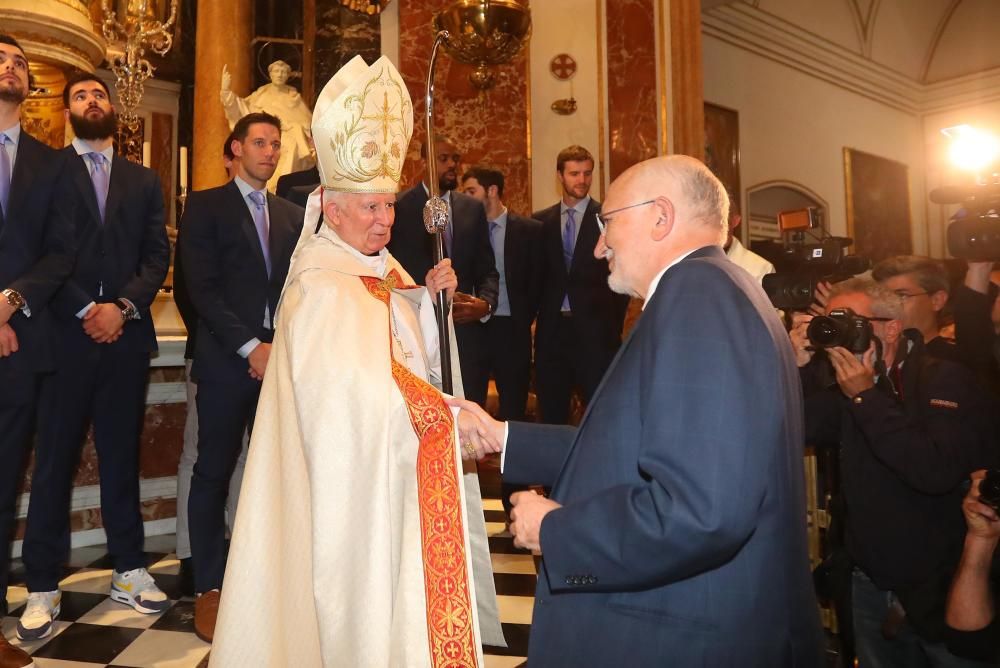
x,y
366,146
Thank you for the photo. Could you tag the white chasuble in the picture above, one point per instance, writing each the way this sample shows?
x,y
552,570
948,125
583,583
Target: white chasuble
x,y
358,541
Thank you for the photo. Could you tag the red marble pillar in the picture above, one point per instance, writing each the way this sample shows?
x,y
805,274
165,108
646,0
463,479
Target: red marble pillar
x,y
489,128
632,95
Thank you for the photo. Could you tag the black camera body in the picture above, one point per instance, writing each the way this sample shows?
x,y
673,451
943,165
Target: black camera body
x,y
843,328
974,233
989,489
801,266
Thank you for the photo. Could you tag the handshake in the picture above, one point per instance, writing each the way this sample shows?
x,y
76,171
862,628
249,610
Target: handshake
x,y
479,433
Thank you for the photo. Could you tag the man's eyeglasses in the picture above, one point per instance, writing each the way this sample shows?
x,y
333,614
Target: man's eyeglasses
x,y
604,218
903,294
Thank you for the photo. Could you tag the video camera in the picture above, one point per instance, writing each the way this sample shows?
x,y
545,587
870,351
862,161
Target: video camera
x,y
974,234
800,266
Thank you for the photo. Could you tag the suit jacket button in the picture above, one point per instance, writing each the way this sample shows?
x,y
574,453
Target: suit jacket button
x,y
569,580
591,580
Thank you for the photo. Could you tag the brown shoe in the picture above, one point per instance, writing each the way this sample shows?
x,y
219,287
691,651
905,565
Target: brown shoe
x,y
206,611
12,657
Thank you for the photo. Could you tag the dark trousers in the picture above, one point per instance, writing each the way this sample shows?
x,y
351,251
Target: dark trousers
x,y
469,338
17,402
573,358
226,408
507,357
105,386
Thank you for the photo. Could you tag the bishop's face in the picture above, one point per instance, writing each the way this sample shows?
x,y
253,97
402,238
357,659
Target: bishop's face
x,y
13,74
362,220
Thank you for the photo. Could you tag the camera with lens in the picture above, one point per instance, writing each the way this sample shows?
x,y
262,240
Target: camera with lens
x,y
989,489
801,266
841,327
974,233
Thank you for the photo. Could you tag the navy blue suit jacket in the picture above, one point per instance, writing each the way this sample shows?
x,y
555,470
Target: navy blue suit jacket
x,y
226,277
682,536
36,254
127,253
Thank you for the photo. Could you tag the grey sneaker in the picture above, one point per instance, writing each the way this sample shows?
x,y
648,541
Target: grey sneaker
x,y
41,610
138,589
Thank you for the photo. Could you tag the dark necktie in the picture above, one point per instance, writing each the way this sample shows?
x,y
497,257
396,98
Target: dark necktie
x,y
493,230
260,222
99,176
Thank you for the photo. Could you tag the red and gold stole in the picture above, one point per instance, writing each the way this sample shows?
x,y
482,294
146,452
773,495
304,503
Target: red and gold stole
x,y
446,582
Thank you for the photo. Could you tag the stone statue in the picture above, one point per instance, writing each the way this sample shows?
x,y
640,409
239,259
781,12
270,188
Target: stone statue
x,y
281,100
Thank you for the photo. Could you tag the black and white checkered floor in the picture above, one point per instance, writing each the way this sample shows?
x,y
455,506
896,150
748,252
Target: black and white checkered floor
x,y
93,631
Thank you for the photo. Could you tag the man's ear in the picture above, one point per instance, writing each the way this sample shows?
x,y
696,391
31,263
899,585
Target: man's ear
x,y
493,192
236,146
939,299
664,225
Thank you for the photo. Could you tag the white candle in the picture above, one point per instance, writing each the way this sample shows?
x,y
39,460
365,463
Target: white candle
x,y
146,150
184,167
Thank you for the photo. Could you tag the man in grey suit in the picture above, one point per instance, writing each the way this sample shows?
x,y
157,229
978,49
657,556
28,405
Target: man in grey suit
x,y
675,533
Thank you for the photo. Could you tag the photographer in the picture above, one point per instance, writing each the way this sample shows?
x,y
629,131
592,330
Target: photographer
x,y
923,286
971,614
910,429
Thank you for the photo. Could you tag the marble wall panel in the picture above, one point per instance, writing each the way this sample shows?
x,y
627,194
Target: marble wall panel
x,y
159,447
632,108
489,128
342,34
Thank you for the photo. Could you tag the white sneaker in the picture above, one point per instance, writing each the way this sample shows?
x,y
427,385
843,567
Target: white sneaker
x,y
138,589
36,620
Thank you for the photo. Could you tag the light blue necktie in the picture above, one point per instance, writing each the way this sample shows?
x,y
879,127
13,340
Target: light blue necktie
x,y
5,173
260,222
494,225
99,175
569,237
569,243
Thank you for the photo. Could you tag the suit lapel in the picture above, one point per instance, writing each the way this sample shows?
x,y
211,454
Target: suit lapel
x,y
27,164
587,238
116,187
247,224
85,186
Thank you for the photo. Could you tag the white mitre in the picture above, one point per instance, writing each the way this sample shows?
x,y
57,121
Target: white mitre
x,y
362,126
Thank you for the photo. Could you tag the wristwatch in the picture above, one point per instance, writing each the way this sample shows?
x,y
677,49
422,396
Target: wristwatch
x,y
14,299
129,311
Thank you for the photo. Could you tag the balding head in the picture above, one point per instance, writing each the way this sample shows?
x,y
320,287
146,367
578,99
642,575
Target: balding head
x,y
657,211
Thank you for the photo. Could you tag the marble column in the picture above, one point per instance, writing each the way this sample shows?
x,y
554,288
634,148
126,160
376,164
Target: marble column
x,y
222,37
688,90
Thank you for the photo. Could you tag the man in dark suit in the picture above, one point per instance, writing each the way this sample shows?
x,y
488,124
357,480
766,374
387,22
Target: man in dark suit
x,y
516,242
104,336
290,185
467,243
36,256
236,241
675,532
579,318
189,453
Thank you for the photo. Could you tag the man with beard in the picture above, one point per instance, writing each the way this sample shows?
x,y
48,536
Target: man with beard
x,y
104,337
579,318
467,243
36,255
236,241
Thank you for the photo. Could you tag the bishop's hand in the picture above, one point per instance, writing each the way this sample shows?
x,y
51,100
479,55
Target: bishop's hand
x,y
227,79
441,277
480,434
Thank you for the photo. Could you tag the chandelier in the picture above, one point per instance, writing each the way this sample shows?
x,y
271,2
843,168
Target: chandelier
x,y
370,7
137,30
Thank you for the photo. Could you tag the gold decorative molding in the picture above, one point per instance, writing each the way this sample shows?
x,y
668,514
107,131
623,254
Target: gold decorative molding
x,y
59,32
688,90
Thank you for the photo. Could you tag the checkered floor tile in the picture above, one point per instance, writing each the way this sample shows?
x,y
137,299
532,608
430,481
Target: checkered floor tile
x,y
93,631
